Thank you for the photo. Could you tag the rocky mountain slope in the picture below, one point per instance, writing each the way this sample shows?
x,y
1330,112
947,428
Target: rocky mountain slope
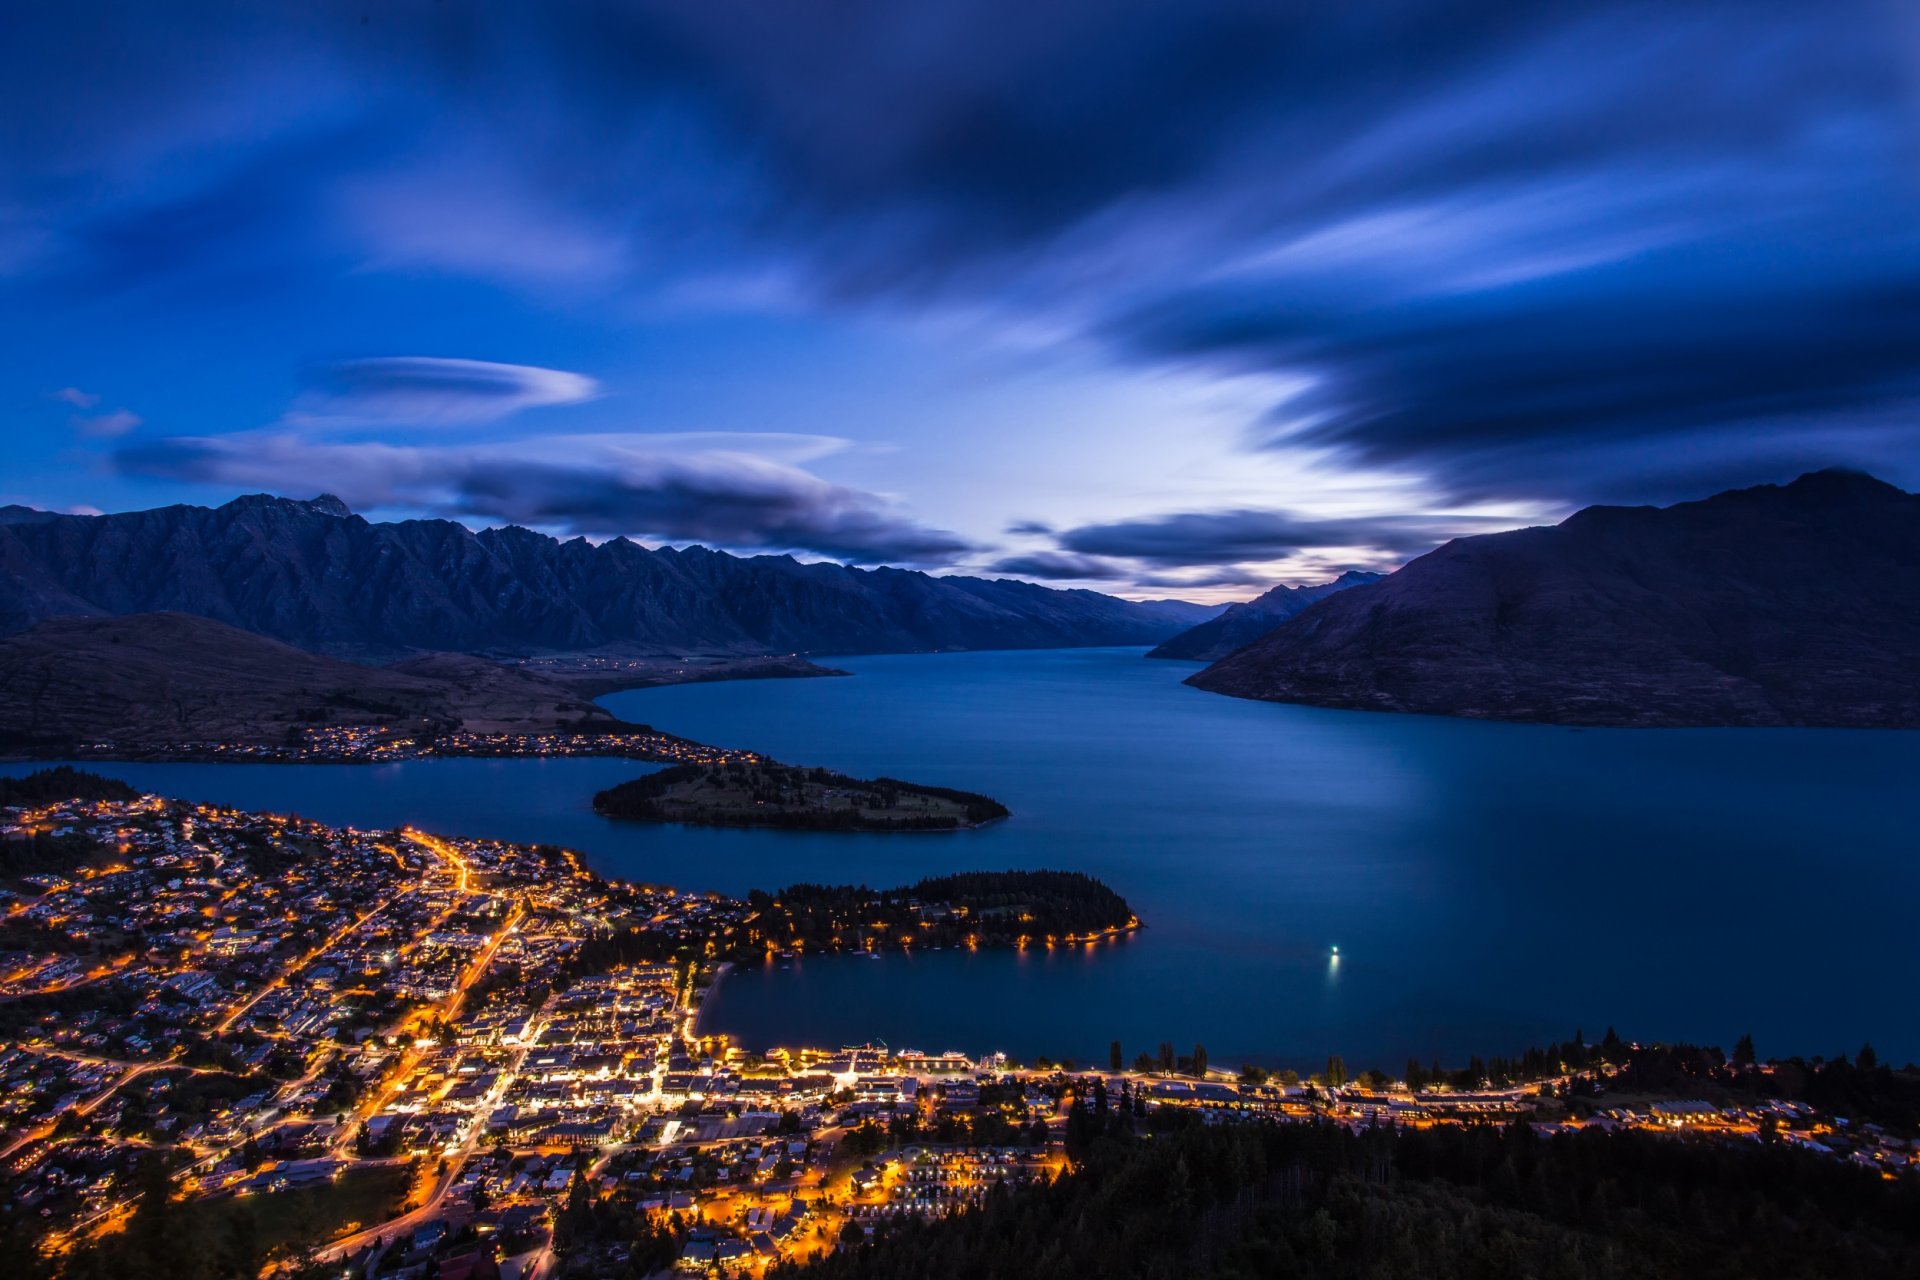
x,y
1777,605
1242,624
315,575
160,678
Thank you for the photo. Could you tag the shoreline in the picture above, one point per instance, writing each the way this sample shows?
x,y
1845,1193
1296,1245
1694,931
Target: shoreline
x,y
720,972
808,831
265,753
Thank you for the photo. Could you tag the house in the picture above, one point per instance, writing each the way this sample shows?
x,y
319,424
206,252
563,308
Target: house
x,y
428,1235
477,1263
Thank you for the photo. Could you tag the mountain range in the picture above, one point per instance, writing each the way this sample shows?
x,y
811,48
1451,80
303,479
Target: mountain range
x,y
1793,604
314,575
1242,624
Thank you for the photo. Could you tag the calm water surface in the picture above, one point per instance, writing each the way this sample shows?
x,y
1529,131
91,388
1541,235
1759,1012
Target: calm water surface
x,y
1488,885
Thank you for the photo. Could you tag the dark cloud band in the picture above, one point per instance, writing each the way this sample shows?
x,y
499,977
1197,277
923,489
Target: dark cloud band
x,y
1242,536
616,488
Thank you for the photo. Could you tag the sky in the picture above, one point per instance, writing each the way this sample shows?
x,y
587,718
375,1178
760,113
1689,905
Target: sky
x,y
1159,298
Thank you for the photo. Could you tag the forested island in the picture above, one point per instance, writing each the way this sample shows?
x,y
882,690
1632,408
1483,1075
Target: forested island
x,y
973,909
763,793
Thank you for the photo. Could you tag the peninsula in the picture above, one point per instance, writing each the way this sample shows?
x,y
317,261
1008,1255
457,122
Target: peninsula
x,y
974,909
755,792
173,687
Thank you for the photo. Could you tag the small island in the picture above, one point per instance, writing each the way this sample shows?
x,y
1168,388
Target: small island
x,y
762,793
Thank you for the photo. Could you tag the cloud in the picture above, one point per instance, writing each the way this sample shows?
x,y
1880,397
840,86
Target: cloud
x,y
106,426
1068,566
609,485
1242,536
434,391
1062,565
95,426
1210,580
1030,527
1562,251
1503,394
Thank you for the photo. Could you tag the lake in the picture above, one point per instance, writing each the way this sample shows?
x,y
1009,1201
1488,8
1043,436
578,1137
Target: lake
x,y
1488,886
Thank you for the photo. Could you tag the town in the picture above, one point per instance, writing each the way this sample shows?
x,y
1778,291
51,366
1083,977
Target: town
x,y
378,744
397,1054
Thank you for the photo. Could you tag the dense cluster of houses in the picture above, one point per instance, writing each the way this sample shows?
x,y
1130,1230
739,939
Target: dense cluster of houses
x,y
381,744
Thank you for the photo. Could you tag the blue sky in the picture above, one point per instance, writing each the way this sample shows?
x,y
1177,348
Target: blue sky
x,y
1165,299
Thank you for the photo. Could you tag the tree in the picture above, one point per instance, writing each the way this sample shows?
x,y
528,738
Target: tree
x,y
1166,1057
1743,1051
155,1233
868,1139
20,1254
1336,1071
1200,1060
571,1225
1113,1055
1866,1059
239,1249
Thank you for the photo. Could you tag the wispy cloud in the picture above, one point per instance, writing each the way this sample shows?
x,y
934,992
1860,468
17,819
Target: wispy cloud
x,y
1064,566
106,426
608,485
434,391
1194,538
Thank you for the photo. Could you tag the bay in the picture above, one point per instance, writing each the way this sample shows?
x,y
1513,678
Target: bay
x,y
1487,885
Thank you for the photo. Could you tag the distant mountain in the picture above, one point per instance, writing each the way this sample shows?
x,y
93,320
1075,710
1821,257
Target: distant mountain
x,y
169,677
1778,605
1242,624
315,575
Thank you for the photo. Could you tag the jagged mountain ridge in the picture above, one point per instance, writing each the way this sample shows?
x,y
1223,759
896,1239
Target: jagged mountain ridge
x,y
1243,623
1792,604
313,574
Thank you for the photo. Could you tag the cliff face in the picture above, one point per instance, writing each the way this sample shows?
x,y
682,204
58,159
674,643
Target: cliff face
x,y
1242,624
1778,605
313,574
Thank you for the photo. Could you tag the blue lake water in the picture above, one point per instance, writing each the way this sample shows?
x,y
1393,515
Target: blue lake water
x,y
1488,886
